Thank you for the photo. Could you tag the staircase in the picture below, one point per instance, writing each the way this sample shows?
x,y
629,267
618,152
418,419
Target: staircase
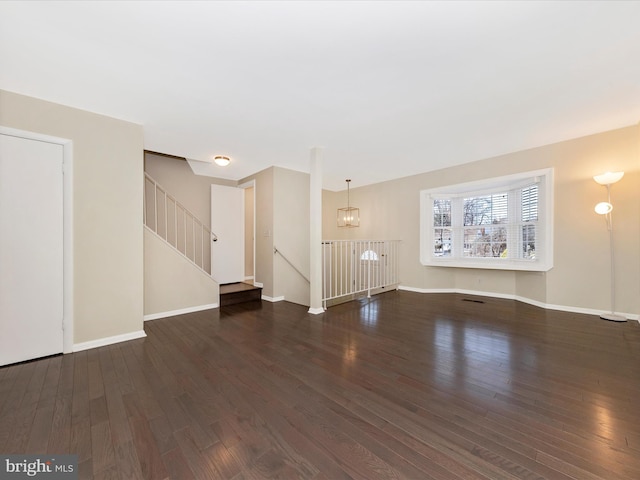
x,y
233,293
173,223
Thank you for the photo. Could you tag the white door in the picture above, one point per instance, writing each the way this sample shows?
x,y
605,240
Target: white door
x,y
31,249
227,225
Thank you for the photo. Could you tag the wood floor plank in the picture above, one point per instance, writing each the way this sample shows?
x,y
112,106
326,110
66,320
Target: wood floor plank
x,y
224,461
117,415
80,441
176,465
149,456
9,386
36,382
80,408
128,462
163,434
40,431
111,473
98,410
59,440
102,452
51,382
65,383
85,469
121,370
7,426
13,394
94,372
20,430
141,381
201,465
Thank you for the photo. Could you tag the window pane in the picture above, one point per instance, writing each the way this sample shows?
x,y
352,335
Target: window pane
x,y
485,210
441,242
369,255
485,242
441,213
529,242
530,203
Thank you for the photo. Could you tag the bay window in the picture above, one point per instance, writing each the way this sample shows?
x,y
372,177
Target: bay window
x,y
499,223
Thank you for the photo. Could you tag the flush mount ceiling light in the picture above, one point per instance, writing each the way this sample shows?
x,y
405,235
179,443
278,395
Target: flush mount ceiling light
x,y
222,160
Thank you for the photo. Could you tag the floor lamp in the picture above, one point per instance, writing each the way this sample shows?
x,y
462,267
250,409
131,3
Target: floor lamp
x,y
605,208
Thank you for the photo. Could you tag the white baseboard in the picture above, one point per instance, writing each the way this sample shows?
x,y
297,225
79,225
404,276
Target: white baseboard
x,y
182,311
316,311
505,296
101,342
272,299
536,303
426,290
565,308
258,284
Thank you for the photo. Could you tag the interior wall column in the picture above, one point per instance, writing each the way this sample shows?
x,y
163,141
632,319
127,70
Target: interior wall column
x,y
315,233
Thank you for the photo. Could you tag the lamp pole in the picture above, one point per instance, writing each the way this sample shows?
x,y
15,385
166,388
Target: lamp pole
x,y
607,179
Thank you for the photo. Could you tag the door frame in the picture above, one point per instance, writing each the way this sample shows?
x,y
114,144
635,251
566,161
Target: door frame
x,y
243,186
67,226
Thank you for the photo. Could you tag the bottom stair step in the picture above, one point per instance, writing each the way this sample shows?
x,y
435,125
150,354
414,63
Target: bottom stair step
x,y
240,292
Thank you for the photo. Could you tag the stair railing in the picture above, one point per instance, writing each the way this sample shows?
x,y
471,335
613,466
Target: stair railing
x,y
176,225
357,267
278,252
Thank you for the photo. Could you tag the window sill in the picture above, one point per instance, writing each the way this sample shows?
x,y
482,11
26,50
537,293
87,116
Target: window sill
x,y
489,264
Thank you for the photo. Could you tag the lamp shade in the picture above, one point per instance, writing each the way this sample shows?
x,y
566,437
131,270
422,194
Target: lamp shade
x,y
349,216
603,208
608,178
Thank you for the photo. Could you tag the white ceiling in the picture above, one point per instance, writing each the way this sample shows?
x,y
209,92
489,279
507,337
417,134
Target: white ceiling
x,y
389,89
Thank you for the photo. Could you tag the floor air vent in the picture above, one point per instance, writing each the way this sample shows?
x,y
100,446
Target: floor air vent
x,y
471,300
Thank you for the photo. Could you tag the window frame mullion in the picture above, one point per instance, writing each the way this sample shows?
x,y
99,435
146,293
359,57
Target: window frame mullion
x,y
514,216
457,228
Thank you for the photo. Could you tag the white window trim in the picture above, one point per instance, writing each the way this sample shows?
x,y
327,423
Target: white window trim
x,y
509,182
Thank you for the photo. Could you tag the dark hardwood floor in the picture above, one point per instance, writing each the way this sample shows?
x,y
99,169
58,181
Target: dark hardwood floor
x,y
404,385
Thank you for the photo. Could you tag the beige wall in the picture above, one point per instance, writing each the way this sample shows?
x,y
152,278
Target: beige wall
x,y
107,211
264,198
291,235
281,196
580,277
282,220
192,191
170,282
191,290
